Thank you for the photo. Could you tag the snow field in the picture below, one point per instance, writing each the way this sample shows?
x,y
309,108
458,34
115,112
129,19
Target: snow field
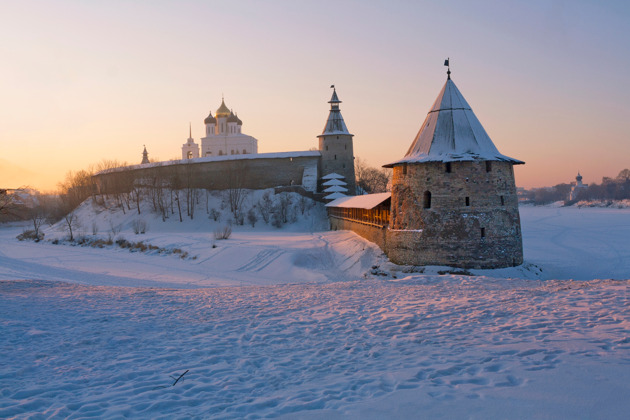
x,y
444,344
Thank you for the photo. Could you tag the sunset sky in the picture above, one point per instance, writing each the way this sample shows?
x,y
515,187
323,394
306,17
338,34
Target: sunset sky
x,y
82,81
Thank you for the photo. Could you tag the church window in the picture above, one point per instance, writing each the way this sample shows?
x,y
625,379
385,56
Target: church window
x,y
483,232
345,147
190,155
467,201
337,137
447,167
326,147
232,151
502,201
427,200
220,152
244,151
335,157
488,166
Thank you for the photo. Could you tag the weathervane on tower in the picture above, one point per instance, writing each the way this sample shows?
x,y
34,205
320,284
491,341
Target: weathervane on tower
x,y
447,64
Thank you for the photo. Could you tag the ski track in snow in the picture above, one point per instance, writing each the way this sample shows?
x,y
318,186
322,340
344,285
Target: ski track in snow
x,y
79,351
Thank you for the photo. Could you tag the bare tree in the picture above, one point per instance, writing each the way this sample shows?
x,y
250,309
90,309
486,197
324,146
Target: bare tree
x,y
265,207
236,193
370,179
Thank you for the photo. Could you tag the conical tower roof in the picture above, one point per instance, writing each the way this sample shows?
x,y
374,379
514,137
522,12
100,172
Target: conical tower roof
x,y
451,132
335,123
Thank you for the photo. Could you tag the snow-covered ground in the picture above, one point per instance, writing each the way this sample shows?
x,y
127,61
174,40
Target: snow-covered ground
x,y
317,332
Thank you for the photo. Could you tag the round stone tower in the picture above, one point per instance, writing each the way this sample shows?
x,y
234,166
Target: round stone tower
x,y
454,197
335,145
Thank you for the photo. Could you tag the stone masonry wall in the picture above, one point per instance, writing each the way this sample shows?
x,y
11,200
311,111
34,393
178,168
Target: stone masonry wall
x,y
338,156
257,173
472,220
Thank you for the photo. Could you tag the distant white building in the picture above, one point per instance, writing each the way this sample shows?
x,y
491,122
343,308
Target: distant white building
x,y
223,137
577,187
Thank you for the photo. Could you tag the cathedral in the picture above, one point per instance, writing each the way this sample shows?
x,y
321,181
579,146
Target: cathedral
x,y
223,137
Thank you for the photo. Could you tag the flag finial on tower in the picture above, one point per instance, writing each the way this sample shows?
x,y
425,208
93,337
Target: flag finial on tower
x,y
448,64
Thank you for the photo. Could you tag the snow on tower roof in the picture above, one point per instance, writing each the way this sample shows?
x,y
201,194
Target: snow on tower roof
x,y
336,188
334,196
368,201
333,175
334,181
451,132
335,123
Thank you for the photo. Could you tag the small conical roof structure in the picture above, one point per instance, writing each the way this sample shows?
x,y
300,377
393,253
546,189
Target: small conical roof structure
x,y
334,181
335,123
335,188
333,175
334,196
451,132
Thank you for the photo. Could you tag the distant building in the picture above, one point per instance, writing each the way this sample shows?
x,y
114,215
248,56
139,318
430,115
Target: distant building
x,y
577,187
223,137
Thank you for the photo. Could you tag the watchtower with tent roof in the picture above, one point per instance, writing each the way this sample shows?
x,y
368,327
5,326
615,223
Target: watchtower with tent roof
x,y
335,146
453,199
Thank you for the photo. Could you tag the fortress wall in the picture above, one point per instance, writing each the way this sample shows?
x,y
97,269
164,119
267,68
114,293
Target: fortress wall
x,y
258,173
372,233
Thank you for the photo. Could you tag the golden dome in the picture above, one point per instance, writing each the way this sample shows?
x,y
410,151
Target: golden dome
x,y
223,110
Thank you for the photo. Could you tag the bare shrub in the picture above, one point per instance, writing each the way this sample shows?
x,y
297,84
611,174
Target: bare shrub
x,y
223,233
139,226
114,229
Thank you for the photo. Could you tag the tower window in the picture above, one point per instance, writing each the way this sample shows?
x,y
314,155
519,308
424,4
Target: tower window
x,y
427,200
404,169
467,201
220,152
190,155
502,201
326,147
345,147
488,166
447,167
335,157
483,232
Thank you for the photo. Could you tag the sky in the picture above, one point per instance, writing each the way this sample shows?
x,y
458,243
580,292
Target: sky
x,y
81,81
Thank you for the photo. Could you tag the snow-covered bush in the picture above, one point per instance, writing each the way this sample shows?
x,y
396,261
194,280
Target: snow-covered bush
x,y
251,217
214,214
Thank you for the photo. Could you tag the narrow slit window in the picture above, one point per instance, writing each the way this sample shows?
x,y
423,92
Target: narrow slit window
x,y
427,199
447,167
483,232
502,201
467,201
404,169
488,166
